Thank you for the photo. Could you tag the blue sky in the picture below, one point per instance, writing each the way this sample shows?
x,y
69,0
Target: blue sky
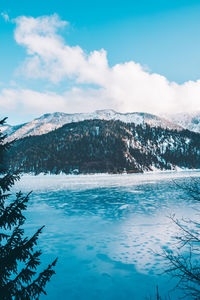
x,y
161,36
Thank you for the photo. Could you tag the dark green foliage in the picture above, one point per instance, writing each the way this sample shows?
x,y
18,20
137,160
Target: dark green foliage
x,y
106,146
18,260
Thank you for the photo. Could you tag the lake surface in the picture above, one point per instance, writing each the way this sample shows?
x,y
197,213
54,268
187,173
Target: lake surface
x,y
105,229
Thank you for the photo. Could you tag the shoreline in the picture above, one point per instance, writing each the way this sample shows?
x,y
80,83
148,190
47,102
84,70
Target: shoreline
x,y
155,172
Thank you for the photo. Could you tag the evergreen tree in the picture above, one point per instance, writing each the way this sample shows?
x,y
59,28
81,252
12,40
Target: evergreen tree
x,y
92,146
18,259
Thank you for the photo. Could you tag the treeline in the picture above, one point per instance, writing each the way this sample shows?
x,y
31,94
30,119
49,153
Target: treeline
x,y
106,146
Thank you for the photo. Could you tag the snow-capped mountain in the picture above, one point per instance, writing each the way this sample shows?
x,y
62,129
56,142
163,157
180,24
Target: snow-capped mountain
x,y
49,122
190,121
102,146
10,130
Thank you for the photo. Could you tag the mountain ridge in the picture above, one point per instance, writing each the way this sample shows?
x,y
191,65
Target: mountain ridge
x,y
51,121
98,146
190,121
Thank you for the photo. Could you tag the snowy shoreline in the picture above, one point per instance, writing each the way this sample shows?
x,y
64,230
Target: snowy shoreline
x,y
178,171
83,182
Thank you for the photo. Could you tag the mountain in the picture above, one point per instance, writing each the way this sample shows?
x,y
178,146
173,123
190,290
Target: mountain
x,y
10,130
106,146
49,122
190,121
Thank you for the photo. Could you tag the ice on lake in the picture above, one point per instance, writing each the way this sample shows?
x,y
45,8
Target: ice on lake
x,y
105,230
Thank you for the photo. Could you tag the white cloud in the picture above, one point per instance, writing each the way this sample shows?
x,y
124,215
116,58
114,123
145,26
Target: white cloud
x,y
123,87
32,102
49,56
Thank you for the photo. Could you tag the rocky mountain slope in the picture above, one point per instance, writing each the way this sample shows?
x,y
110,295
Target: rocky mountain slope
x,y
49,122
190,121
106,146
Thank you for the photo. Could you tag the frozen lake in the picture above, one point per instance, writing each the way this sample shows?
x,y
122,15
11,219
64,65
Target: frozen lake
x,y
103,228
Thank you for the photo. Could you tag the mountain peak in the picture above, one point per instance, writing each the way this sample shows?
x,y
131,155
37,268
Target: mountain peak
x,y
52,121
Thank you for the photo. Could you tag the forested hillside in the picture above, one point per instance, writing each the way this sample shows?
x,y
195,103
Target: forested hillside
x,y
49,122
106,146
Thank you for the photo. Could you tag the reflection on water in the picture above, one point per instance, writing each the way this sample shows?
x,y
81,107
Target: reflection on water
x,y
103,228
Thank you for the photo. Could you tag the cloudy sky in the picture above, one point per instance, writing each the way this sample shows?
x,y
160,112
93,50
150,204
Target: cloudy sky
x,y
86,55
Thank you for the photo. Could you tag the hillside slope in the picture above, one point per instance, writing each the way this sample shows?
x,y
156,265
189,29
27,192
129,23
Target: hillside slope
x,y
49,122
190,121
106,146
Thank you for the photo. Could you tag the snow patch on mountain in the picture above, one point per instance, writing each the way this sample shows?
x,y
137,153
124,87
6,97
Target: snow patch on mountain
x,y
190,121
10,130
49,122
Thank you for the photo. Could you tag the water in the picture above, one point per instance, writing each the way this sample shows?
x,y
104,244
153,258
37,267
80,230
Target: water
x,y
105,230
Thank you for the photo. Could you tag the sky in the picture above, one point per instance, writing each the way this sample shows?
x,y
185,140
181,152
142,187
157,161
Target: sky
x,y
80,56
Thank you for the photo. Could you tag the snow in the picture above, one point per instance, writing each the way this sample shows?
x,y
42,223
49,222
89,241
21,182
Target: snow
x,y
49,122
104,229
87,181
190,121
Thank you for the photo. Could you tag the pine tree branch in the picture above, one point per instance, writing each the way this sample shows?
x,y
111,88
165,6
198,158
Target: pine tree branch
x,y
16,249
8,181
37,286
12,214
